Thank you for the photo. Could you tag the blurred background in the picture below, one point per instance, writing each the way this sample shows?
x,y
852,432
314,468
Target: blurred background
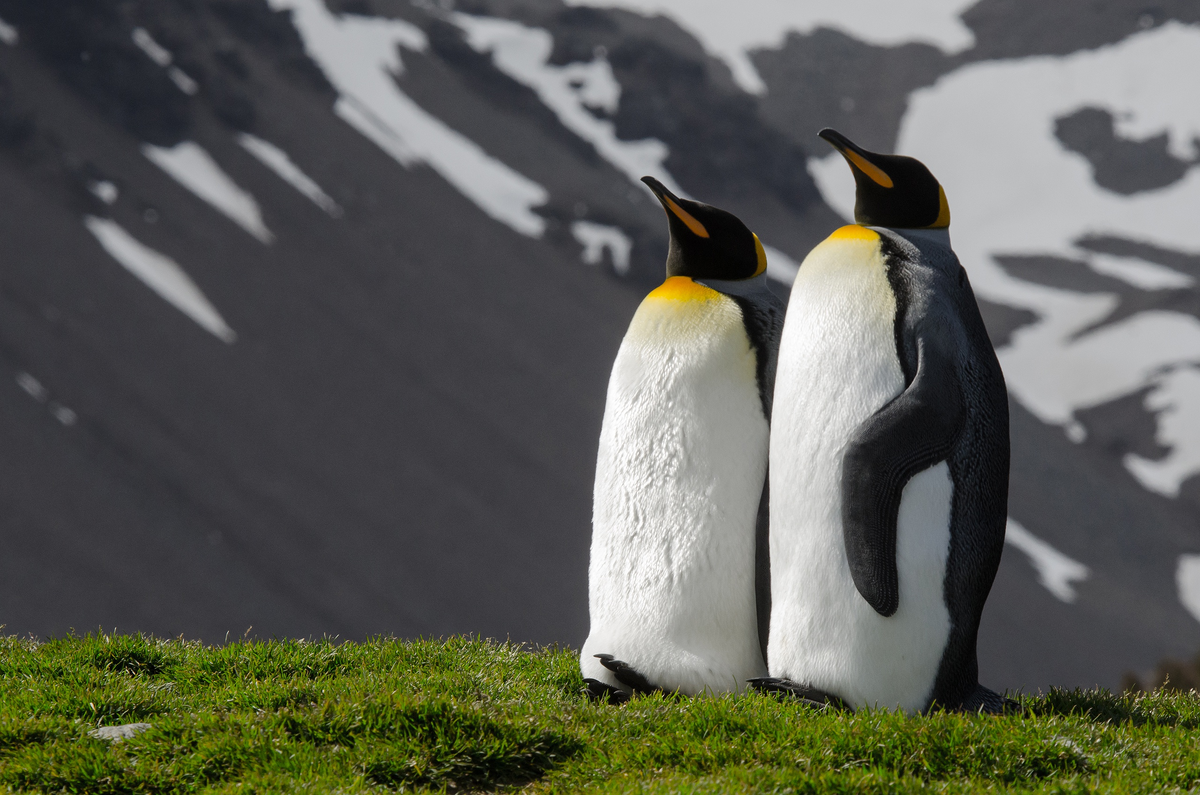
x,y
307,307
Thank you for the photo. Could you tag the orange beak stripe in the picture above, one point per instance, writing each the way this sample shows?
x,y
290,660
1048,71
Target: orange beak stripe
x,y
867,167
688,221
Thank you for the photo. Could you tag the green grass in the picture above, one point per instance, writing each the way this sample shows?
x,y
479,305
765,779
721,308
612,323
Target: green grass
x,y
470,715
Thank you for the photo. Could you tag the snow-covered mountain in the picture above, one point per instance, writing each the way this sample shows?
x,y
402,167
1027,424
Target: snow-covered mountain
x,y
307,306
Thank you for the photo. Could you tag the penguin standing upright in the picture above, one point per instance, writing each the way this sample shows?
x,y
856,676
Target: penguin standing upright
x,y
681,469
889,458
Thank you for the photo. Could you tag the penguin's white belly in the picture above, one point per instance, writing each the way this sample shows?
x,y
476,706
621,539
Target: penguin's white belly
x,y
837,366
679,476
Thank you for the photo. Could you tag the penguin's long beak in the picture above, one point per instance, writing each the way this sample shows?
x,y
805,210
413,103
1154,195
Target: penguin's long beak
x,y
671,203
857,157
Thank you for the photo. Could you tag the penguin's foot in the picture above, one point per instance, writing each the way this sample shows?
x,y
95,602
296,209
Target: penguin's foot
x,y
626,675
802,693
990,702
601,691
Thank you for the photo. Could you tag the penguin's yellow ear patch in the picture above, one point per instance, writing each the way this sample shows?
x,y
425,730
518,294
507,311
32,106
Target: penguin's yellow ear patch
x,y
688,220
943,219
762,256
877,174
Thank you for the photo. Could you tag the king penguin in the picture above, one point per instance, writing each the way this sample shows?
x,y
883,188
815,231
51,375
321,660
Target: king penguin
x,y
673,581
889,459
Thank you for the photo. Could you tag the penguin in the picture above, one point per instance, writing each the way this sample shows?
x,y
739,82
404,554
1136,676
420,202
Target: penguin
x,y
675,574
889,459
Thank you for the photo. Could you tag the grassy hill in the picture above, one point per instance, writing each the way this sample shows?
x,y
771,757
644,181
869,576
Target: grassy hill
x,y
469,715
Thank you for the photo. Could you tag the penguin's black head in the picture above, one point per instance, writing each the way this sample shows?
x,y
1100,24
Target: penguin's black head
x,y
891,190
707,243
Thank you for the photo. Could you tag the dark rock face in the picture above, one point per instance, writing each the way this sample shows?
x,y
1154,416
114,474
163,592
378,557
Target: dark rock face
x,y
1119,165
271,35
88,46
1020,28
828,79
1122,426
1177,260
723,149
16,123
1002,321
718,146
402,437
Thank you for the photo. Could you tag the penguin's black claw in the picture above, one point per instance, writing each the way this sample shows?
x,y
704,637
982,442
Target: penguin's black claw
x,y
988,701
626,675
600,691
803,693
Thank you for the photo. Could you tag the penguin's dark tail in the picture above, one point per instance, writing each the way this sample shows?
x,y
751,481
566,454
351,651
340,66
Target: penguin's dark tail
x,y
786,688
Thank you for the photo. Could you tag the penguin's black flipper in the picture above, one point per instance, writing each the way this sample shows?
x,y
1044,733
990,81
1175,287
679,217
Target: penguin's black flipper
x,y
601,691
762,569
913,432
802,693
626,675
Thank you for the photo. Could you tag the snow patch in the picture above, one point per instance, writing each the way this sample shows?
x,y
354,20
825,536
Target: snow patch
x,y
780,266
523,53
1053,374
1056,572
987,133
181,80
595,238
836,183
192,166
278,161
374,128
36,390
63,414
361,58
162,56
1141,274
9,34
161,274
1176,399
154,51
730,30
1187,582
32,387
104,190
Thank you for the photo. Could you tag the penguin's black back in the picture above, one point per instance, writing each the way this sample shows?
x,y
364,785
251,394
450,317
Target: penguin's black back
x,y
934,300
764,326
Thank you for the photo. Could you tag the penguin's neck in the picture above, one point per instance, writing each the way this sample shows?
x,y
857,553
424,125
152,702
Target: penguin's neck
x,y
939,236
740,287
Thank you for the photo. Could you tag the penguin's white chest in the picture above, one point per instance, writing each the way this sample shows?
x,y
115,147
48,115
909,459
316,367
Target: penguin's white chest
x,y
838,365
679,475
